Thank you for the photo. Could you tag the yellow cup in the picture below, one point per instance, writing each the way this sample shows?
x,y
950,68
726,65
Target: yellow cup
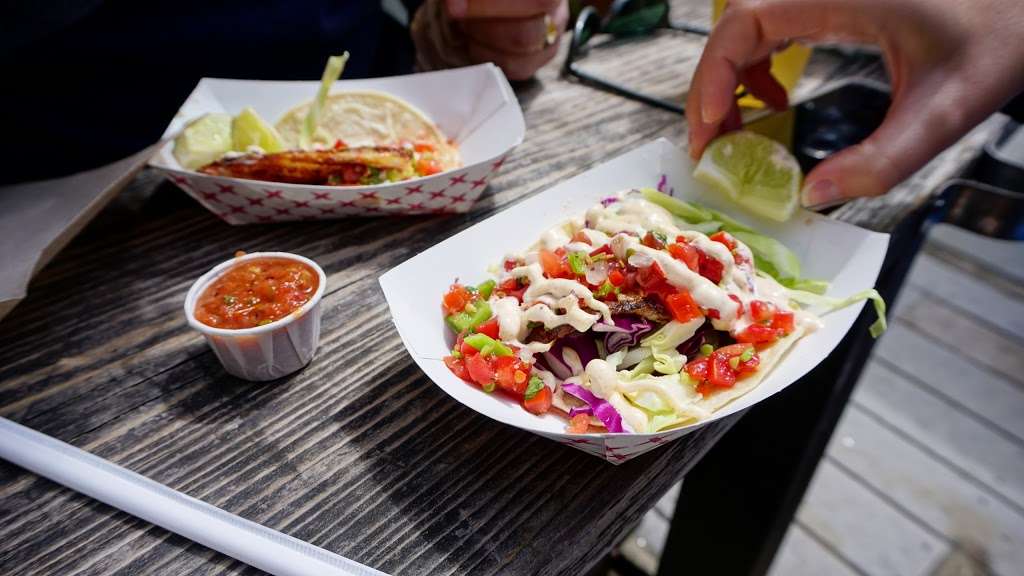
x,y
787,65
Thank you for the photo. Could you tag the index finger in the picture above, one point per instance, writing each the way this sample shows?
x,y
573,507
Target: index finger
x,y
499,8
746,34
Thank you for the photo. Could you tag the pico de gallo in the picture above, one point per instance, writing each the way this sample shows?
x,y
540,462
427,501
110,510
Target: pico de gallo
x,y
630,318
256,292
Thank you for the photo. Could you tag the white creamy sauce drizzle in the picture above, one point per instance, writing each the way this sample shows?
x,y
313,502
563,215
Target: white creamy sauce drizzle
x,y
554,302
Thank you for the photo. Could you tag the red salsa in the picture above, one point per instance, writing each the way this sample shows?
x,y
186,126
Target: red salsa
x,y
256,292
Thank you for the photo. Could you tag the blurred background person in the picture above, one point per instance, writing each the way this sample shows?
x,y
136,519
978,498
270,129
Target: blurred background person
x,y
87,83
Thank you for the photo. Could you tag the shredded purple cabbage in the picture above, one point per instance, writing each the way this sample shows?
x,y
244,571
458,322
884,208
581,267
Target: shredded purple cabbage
x,y
631,330
691,347
609,201
602,409
579,342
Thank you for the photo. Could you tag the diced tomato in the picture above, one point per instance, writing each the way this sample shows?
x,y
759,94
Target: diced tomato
x,y
489,328
686,254
551,263
761,311
714,314
720,374
579,236
479,369
758,334
698,369
504,372
423,147
511,374
456,299
682,307
652,280
616,277
352,173
651,241
457,366
339,144
606,249
540,403
723,237
736,299
732,350
510,264
749,367
578,424
710,268
509,285
427,166
783,321
467,350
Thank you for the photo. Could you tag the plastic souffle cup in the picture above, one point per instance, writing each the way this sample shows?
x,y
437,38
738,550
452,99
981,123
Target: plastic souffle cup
x,y
263,352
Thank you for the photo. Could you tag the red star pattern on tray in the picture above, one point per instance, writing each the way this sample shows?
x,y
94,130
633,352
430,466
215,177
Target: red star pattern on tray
x,y
256,202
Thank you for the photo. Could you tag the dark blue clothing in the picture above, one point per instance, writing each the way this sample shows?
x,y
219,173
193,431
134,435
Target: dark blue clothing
x,y
88,82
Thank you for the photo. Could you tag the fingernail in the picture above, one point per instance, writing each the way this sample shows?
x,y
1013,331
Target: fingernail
x,y
457,8
706,113
820,195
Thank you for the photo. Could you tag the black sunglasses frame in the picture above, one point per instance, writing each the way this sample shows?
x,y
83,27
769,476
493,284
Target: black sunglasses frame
x,y
589,18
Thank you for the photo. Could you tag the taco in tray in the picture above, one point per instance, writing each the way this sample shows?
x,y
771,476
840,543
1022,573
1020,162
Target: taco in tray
x,y
345,139
642,315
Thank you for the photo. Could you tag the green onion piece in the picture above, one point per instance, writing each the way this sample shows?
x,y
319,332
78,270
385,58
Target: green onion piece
x,y
489,387
706,349
605,289
335,64
487,346
734,362
535,386
660,237
470,307
478,341
456,353
747,354
599,257
481,314
578,262
459,322
485,289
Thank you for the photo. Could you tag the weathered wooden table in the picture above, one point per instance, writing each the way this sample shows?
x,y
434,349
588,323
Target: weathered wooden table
x,y
359,453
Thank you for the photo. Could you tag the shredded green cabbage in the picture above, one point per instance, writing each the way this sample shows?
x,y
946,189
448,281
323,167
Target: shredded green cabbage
x,y
663,344
825,304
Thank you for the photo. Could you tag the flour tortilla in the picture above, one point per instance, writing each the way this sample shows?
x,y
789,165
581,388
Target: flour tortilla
x,y
369,118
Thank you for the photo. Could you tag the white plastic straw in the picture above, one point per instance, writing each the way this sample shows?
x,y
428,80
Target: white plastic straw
x,y
247,541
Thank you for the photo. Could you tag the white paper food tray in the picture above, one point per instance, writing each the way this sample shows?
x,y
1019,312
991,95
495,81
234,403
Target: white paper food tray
x,y
473,106
846,256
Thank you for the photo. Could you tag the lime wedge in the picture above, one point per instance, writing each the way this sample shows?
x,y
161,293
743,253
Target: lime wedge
x,y
203,140
248,129
756,172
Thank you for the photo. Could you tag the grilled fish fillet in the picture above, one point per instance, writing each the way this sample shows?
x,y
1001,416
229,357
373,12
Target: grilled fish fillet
x,y
344,166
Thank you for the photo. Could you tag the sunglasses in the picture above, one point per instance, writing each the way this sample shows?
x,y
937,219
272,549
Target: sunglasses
x,y
626,19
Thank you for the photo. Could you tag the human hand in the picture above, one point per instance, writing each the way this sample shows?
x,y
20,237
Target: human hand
x,y
951,64
519,36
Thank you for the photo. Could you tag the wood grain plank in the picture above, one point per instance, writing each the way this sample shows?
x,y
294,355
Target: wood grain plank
x,y
962,334
970,517
988,396
802,554
970,447
865,530
976,297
